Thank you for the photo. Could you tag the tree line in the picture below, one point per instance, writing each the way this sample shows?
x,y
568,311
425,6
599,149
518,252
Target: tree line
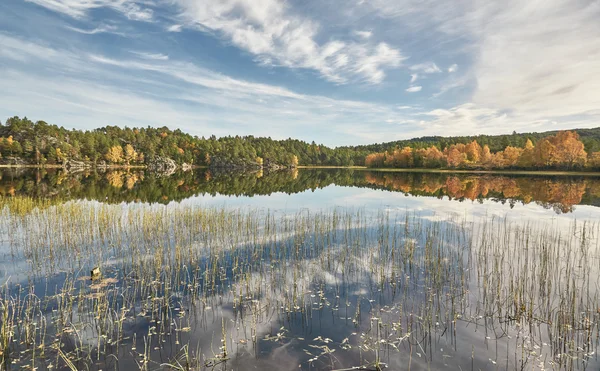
x,y
40,143
564,150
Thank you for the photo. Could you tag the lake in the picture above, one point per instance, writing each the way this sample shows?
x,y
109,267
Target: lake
x,y
311,269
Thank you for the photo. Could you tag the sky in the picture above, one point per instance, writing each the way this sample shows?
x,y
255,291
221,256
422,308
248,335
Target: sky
x,y
339,72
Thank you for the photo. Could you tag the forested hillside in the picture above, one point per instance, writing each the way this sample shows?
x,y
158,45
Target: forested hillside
x,y
39,143
564,151
42,143
589,137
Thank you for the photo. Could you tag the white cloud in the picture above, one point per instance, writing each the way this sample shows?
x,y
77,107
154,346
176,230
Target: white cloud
x,y
541,59
470,119
363,34
154,56
536,59
175,28
80,8
97,30
453,68
428,67
413,77
270,31
414,89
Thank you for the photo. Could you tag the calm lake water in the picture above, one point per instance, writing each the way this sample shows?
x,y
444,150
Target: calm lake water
x,y
307,269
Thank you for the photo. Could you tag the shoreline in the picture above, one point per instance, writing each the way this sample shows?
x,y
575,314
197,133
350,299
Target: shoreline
x,y
463,171
52,166
360,168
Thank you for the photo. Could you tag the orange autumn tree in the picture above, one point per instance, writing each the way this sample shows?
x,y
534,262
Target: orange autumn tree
x,y
486,156
569,150
511,156
563,150
455,155
473,152
401,158
375,160
430,157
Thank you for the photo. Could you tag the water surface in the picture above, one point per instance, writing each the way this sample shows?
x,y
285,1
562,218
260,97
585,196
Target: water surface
x,y
310,269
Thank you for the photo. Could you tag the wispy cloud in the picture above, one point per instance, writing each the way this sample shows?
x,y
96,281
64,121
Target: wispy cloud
x,y
453,68
97,30
278,36
428,67
132,91
154,56
537,59
534,59
80,8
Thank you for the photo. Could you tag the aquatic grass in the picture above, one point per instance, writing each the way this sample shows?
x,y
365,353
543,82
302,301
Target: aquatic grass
x,y
187,287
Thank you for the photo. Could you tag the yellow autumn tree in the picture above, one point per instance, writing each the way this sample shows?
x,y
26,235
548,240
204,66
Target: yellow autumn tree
x,y
486,156
527,158
130,154
114,154
473,152
511,156
544,153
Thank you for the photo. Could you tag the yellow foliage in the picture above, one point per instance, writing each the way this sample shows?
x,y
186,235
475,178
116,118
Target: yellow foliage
x,y
115,154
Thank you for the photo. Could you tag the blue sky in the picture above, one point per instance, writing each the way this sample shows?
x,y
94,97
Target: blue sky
x,y
337,72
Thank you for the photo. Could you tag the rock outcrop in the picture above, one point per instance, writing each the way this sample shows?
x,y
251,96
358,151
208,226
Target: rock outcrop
x,y
271,166
163,165
72,165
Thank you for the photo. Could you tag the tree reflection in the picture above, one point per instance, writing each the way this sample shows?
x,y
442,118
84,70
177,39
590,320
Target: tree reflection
x,y
558,193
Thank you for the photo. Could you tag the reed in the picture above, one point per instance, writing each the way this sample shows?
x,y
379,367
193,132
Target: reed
x,y
186,288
